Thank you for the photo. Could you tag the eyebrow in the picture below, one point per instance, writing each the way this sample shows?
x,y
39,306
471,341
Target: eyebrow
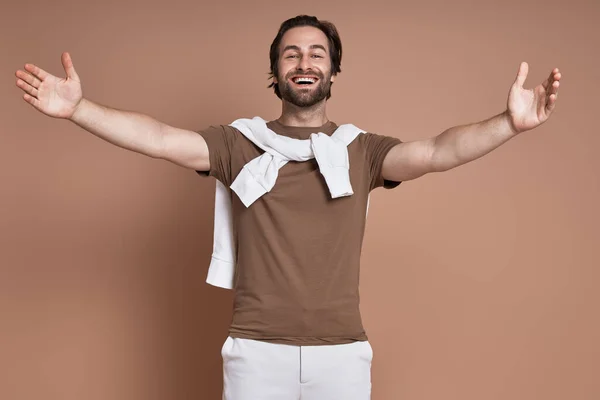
x,y
312,46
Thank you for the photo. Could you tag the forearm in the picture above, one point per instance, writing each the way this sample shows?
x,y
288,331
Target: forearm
x,y
461,144
127,129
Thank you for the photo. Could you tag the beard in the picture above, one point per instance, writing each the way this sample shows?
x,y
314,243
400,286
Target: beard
x,y
305,97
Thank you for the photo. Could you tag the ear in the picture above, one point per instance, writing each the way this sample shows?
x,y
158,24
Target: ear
x,y
332,78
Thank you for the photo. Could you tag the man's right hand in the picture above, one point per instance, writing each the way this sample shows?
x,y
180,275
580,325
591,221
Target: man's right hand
x,y
63,98
49,94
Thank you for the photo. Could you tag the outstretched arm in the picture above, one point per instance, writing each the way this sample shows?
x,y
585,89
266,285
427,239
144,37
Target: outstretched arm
x,y
526,109
63,98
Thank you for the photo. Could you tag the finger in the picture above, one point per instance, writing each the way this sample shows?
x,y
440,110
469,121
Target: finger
x,y
36,71
68,66
30,79
555,75
27,88
551,103
522,74
32,100
554,87
552,90
552,95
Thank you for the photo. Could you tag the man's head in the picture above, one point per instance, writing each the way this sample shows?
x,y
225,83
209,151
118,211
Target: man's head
x,y
309,48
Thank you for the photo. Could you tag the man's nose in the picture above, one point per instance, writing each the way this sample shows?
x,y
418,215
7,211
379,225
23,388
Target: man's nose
x,y
304,63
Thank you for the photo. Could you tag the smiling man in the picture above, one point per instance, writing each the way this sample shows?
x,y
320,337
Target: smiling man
x,y
290,225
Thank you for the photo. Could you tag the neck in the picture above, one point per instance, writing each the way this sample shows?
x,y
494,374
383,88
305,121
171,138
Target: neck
x,y
314,116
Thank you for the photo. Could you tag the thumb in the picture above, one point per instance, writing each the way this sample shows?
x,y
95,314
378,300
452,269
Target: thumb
x,y
522,74
68,66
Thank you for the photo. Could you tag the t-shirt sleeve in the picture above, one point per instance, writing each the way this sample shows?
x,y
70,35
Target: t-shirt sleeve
x,y
377,147
220,141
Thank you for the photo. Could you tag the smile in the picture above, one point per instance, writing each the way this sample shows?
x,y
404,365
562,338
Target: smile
x,y
304,80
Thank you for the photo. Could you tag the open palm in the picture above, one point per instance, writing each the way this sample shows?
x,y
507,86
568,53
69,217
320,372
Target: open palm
x,y
49,94
529,108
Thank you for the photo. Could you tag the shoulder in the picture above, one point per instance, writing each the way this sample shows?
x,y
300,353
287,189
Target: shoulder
x,y
219,130
371,141
220,135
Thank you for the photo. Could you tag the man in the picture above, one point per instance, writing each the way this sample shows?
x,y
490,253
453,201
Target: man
x,y
296,331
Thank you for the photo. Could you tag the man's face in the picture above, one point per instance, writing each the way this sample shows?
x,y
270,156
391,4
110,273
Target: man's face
x,y
304,53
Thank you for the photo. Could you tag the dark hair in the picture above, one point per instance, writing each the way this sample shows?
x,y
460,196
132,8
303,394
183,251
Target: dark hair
x,y
335,45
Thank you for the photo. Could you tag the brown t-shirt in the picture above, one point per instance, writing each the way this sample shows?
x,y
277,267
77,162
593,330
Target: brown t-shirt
x,y
298,250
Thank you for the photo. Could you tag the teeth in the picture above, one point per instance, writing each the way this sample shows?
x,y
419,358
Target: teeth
x,y
310,80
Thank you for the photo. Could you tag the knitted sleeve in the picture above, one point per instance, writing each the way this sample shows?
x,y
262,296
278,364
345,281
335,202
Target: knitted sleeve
x,y
220,141
376,148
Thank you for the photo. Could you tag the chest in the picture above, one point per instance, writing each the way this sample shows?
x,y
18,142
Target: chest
x,y
300,186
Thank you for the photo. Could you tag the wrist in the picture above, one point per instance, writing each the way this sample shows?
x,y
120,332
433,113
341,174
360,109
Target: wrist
x,y
76,116
509,121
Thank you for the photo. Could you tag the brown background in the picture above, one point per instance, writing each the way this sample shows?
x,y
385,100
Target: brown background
x,y
477,283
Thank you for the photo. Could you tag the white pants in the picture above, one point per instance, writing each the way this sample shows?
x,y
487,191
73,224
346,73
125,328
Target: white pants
x,y
256,370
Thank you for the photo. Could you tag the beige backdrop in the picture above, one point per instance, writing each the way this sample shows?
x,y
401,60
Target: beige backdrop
x,y
477,283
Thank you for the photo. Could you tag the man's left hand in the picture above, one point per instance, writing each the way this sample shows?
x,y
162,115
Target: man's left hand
x,y
529,108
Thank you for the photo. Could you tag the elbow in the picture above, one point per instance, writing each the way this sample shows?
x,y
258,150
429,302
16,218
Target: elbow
x,y
441,159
